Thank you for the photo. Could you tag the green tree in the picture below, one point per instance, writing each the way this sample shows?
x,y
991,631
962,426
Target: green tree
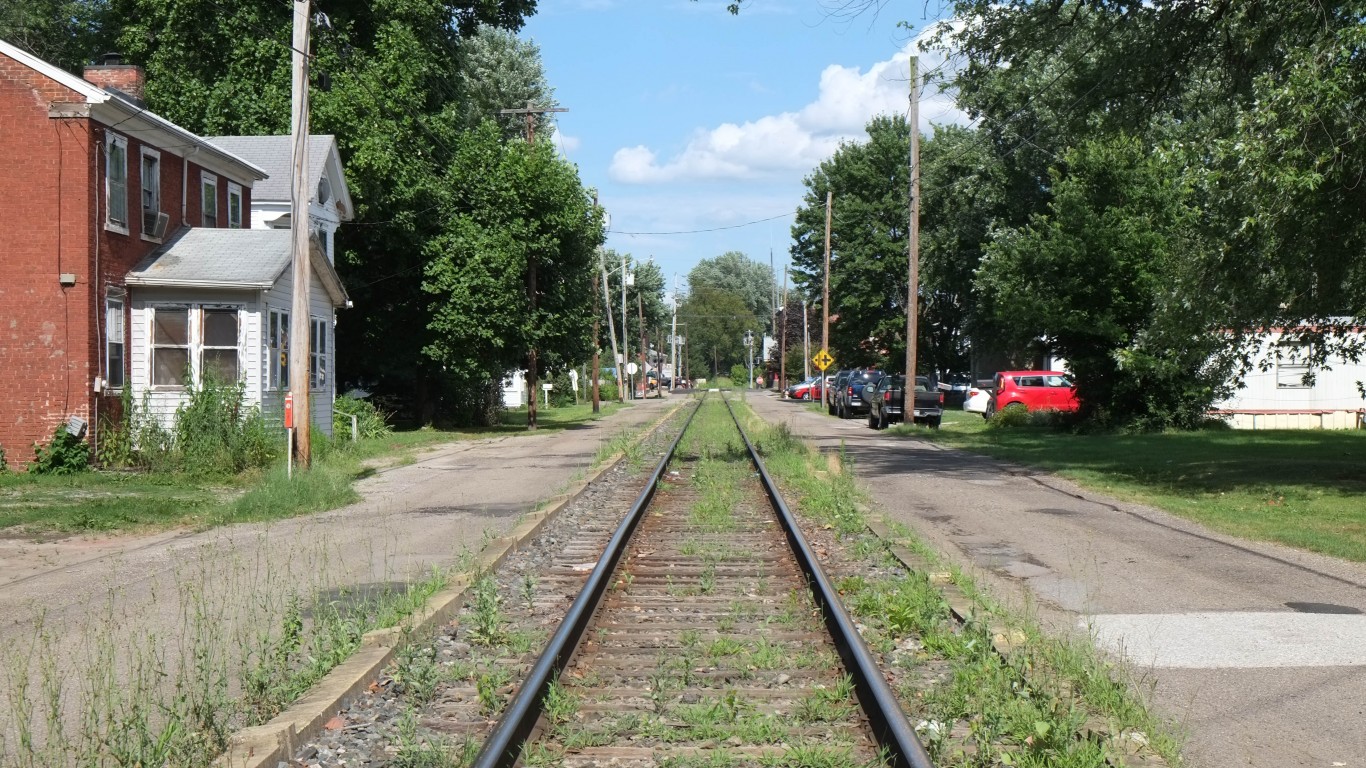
x,y
68,33
647,287
733,272
868,264
498,71
716,321
1093,276
517,207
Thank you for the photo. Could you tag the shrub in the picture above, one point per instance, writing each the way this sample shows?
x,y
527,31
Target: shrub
x,y
563,393
4,467
1018,417
65,455
371,422
739,373
217,433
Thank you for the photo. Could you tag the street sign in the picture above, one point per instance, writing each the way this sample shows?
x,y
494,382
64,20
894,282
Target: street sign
x,y
823,360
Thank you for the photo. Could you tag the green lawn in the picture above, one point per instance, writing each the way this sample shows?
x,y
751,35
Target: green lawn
x,y
35,505
1304,488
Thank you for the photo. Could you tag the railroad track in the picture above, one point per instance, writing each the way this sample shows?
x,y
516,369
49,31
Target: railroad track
x,y
705,634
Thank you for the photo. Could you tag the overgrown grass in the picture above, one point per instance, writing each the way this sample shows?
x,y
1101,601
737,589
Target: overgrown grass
x,y
974,707
1302,488
140,501
249,643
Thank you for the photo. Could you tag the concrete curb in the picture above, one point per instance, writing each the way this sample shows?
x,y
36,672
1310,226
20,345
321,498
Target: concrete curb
x,y
267,745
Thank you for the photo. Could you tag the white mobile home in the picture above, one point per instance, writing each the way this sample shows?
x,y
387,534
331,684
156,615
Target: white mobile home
x,y
1285,390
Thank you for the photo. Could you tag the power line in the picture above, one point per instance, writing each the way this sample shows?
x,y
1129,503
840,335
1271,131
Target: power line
x,y
701,231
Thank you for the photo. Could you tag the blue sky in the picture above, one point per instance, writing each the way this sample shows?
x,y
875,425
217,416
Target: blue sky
x,y
687,118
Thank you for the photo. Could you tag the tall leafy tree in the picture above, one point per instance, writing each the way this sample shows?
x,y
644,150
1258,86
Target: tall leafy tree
x,y
498,71
517,207
716,321
68,33
868,268
1094,274
733,272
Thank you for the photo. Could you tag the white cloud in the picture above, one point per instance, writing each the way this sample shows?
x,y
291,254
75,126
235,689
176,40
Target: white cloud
x,y
565,142
848,97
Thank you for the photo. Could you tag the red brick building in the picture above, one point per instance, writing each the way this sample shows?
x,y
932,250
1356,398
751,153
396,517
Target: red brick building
x,y
93,184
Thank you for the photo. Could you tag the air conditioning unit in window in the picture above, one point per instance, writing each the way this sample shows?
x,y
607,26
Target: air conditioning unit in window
x,y
155,228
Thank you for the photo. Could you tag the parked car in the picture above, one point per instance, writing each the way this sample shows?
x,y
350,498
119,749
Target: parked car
x,y
955,388
836,384
849,400
810,389
1032,390
978,399
888,405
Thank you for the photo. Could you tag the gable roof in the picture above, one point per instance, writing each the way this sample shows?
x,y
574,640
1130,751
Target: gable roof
x,y
204,257
276,155
116,110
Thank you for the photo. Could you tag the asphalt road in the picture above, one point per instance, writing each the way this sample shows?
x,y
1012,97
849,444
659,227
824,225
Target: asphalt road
x,y
144,596
1256,652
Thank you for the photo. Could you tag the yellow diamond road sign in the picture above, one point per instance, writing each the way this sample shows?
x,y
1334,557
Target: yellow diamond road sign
x,y
823,360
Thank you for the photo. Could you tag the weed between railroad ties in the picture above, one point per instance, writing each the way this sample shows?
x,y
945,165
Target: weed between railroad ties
x,y
1047,702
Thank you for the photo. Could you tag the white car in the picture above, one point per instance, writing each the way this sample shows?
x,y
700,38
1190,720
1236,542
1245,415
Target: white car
x,y
977,400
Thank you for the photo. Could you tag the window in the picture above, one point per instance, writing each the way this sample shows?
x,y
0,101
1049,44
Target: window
x,y
219,351
208,199
317,356
1056,381
116,183
113,346
1292,366
191,343
151,190
1029,381
234,206
170,346
278,349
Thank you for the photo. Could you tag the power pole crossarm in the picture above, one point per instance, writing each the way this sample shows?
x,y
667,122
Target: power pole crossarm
x,y
529,112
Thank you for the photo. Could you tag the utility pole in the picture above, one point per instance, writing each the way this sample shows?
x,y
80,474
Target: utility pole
x,y
619,363
529,111
806,343
825,300
625,340
597,333
673,340
782,345
597,337
300,325
913,283
644,380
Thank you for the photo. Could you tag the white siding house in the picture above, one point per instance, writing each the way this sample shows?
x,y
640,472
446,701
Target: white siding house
x,y
219,299
1276,395
330,203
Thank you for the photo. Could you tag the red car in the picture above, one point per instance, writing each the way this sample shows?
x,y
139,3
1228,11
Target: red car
x,y
1034,391
806,390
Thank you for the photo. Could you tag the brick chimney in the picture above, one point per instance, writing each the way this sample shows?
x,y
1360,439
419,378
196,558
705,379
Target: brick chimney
x,y
112,74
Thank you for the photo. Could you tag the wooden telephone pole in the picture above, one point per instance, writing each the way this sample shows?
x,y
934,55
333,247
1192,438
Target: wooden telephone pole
x,y
913,283
529,111
825,300
300,330
782,345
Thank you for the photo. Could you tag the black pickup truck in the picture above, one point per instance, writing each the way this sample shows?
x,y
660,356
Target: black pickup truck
x,y
887,403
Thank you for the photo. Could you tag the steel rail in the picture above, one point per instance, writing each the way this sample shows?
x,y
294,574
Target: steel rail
x,y
888,722
504,745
